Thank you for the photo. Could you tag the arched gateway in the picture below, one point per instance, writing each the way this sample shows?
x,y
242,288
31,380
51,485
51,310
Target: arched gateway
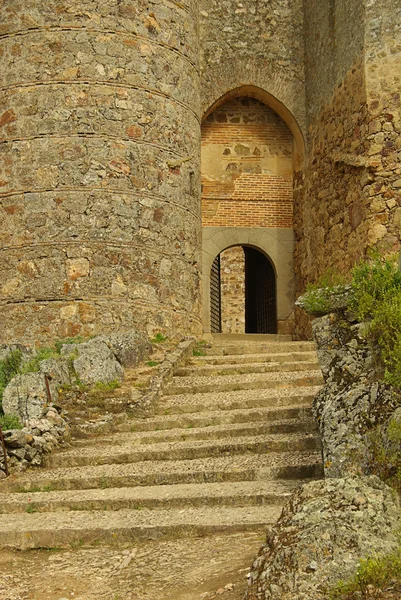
x,y
251,146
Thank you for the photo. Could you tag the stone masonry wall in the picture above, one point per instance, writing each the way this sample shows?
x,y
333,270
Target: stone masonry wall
x,y
99,167
253,43
350,199
232,269
246,167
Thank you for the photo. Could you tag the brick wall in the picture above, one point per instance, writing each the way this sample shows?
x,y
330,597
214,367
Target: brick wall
x,y
246,167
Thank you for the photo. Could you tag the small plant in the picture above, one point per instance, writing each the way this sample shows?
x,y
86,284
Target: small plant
x,y
198,352
71,340
159,338
152,363
374,573
104,483
383,457
10,422
9,368
31,508
318,298
48,488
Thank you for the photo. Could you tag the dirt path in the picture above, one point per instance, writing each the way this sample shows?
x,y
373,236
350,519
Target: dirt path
x,y
188,569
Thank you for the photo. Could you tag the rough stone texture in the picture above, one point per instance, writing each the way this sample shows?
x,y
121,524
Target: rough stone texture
x,y
253,43
26,395
40,436
95,361
232,269
351,401
323,532
129,348
348,198
99,169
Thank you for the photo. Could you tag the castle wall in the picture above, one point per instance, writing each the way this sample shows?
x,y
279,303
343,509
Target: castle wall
x,y
349,198
99,168
253,43
232,265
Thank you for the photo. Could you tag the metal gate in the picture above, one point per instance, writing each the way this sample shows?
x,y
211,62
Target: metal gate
x,y
215,297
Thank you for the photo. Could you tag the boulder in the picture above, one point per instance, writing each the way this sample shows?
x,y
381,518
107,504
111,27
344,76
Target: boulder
x,y
26,396
129,348
323,532
94,361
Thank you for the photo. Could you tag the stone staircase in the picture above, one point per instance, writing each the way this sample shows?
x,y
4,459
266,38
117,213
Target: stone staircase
x,y
231,439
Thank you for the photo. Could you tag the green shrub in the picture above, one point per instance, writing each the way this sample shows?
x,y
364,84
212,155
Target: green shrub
x,y
33,364
383,454
9,368
318,298
10,422
376,285
375,571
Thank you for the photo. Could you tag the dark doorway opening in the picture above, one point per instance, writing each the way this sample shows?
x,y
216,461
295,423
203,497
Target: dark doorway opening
x,y
260,294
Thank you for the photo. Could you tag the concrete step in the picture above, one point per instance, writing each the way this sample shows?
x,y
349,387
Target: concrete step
x,y
226,348
237,399
184,450
249,493
241,369
230,383
246,467
186,432
278,357
87,528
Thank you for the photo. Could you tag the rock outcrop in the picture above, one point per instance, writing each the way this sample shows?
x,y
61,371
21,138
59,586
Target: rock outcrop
x,y
323,532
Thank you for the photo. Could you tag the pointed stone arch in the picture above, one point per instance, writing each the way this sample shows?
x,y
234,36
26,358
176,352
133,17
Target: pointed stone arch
x,y
253,91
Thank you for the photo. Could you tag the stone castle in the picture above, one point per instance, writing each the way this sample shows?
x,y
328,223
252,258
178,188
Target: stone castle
x,y
170,165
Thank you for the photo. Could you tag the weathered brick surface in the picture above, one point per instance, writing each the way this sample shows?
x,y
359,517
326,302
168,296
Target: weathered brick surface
x,y
246,167
99,168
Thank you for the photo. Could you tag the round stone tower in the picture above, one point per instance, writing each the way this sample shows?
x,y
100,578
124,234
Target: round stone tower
x,y
99,167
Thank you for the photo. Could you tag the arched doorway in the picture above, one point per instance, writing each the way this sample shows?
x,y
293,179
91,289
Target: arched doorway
x,y
251,147
243,295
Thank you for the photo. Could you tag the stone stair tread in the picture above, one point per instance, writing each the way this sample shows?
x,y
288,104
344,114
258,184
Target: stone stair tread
x,y
248,466
86,527
184,449
241,378
245,368
210,359
205,385
199,432
254,347
206,418
228,400
54,500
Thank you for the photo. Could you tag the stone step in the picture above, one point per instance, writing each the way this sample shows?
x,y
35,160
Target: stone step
x,y
241,369
278,357
229,383
237,399
186,431
249,493
218,338
246,467
183,450
225,348
214,417
91,528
